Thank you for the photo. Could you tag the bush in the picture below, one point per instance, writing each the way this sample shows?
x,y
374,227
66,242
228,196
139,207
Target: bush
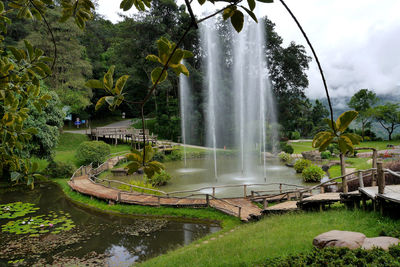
x,y
285,157
301,164
295,135
159,156
175,155
57,169
286,148
326,154
92,152
312,174
141,184
332,256
334,149
158,179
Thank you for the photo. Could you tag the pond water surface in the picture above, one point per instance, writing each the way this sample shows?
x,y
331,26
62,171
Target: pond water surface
x,y
99,238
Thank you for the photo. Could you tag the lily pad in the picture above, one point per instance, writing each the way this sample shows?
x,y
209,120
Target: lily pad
x,y
16,209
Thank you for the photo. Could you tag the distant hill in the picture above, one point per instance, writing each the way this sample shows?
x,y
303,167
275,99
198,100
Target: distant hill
x,y
339,106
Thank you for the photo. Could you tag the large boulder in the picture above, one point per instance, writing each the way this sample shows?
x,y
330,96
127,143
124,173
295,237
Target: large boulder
x,y
312,155
383,242
337,238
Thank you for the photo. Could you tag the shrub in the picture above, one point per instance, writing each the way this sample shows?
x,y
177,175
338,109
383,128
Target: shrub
x,y
286,148
175,155
159,156
334,149
158,179
285,157
301,164
141,184
312,174
295,135
332,256
326,154
57,169
92,152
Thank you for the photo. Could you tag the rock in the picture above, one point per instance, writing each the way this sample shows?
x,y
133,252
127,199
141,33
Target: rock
x,y
335,238
383,242
269,155
312,155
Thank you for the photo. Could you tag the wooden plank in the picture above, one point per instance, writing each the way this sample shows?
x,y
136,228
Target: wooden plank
x,y
284,206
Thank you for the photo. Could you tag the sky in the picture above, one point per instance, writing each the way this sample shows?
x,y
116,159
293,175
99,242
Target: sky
x,y
357,41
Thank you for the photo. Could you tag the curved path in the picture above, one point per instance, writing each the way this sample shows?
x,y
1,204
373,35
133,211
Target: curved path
x,y
239,207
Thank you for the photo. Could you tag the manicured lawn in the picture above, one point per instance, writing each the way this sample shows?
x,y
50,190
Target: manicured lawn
x,y
96,123
274,236
379,145
357,163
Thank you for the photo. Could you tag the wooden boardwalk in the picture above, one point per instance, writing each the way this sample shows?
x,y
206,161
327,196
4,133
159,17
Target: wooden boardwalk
x,y
239,207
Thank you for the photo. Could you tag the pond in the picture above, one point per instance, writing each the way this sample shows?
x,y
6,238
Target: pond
x,y
199,173
96,238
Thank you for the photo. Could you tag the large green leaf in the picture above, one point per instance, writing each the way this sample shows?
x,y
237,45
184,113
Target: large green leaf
x,y
345,144
119,85
153,58
133,167
331,124
252,4
176,57
148,171
251,14
156,166
345,119
95,84
135,156
126,5
237,20
108,79
149,153
354,138
156,73
100,103
320,137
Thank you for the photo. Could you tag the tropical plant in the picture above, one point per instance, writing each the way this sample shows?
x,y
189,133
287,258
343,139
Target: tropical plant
x,y
312,174
143,160
92,152
301,164
337,134
159,179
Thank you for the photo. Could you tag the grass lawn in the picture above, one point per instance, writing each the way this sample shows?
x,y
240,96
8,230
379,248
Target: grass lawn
x,y
274,236
379,145
96,123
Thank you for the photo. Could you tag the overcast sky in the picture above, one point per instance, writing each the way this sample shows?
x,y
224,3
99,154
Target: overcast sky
x,y
357,41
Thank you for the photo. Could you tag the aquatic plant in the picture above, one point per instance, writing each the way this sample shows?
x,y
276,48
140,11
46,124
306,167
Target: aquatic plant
x,y
16,209
34,226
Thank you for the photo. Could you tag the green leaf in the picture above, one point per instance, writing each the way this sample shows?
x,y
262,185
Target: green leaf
x,y
201,2
44,67
157,166
266,1
18,56
120,84
15,176
108,79
345,119
133,167
331,124
153,58
252,4
29,47
156,73
228,12
345,144
176,57
251,14
100,103
96,84
148,171
149,153
237,20
187,54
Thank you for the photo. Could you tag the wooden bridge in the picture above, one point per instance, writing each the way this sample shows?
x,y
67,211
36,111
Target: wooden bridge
x,y
291,197
124,134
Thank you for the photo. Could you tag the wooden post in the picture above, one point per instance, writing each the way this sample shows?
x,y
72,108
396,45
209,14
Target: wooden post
x,y
322,189
159,201
245,191
252,193
280,188
265,203
360,179
109,184
119,196
301,196
240,212
343,172
381,178
208,200
131,189
213,193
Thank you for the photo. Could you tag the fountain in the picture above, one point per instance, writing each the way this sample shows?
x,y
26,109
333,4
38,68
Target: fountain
x,y
247,107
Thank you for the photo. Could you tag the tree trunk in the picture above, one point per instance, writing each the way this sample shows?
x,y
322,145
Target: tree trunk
x,y
144,136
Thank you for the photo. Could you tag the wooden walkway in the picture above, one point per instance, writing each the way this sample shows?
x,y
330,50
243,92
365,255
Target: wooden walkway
x,y
239,207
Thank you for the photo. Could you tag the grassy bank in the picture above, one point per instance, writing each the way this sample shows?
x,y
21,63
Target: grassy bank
x,y
274,236
227,222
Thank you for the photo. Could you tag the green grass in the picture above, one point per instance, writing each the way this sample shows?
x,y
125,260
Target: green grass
x,y
209,214
379,145
357,163
274,236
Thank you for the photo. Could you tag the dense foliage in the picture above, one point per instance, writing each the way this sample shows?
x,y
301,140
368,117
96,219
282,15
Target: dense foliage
x,y
58,169
341,257
312,174
92,152
301,164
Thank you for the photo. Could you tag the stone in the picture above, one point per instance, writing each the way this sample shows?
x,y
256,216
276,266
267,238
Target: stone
x,y
335,238
383,242
312,155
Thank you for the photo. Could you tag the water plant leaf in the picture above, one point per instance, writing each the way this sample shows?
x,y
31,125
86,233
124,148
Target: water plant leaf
x,y
16,209
237,20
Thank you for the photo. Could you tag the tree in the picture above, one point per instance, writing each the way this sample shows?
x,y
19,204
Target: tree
x,y
388,116
362,101
337,134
